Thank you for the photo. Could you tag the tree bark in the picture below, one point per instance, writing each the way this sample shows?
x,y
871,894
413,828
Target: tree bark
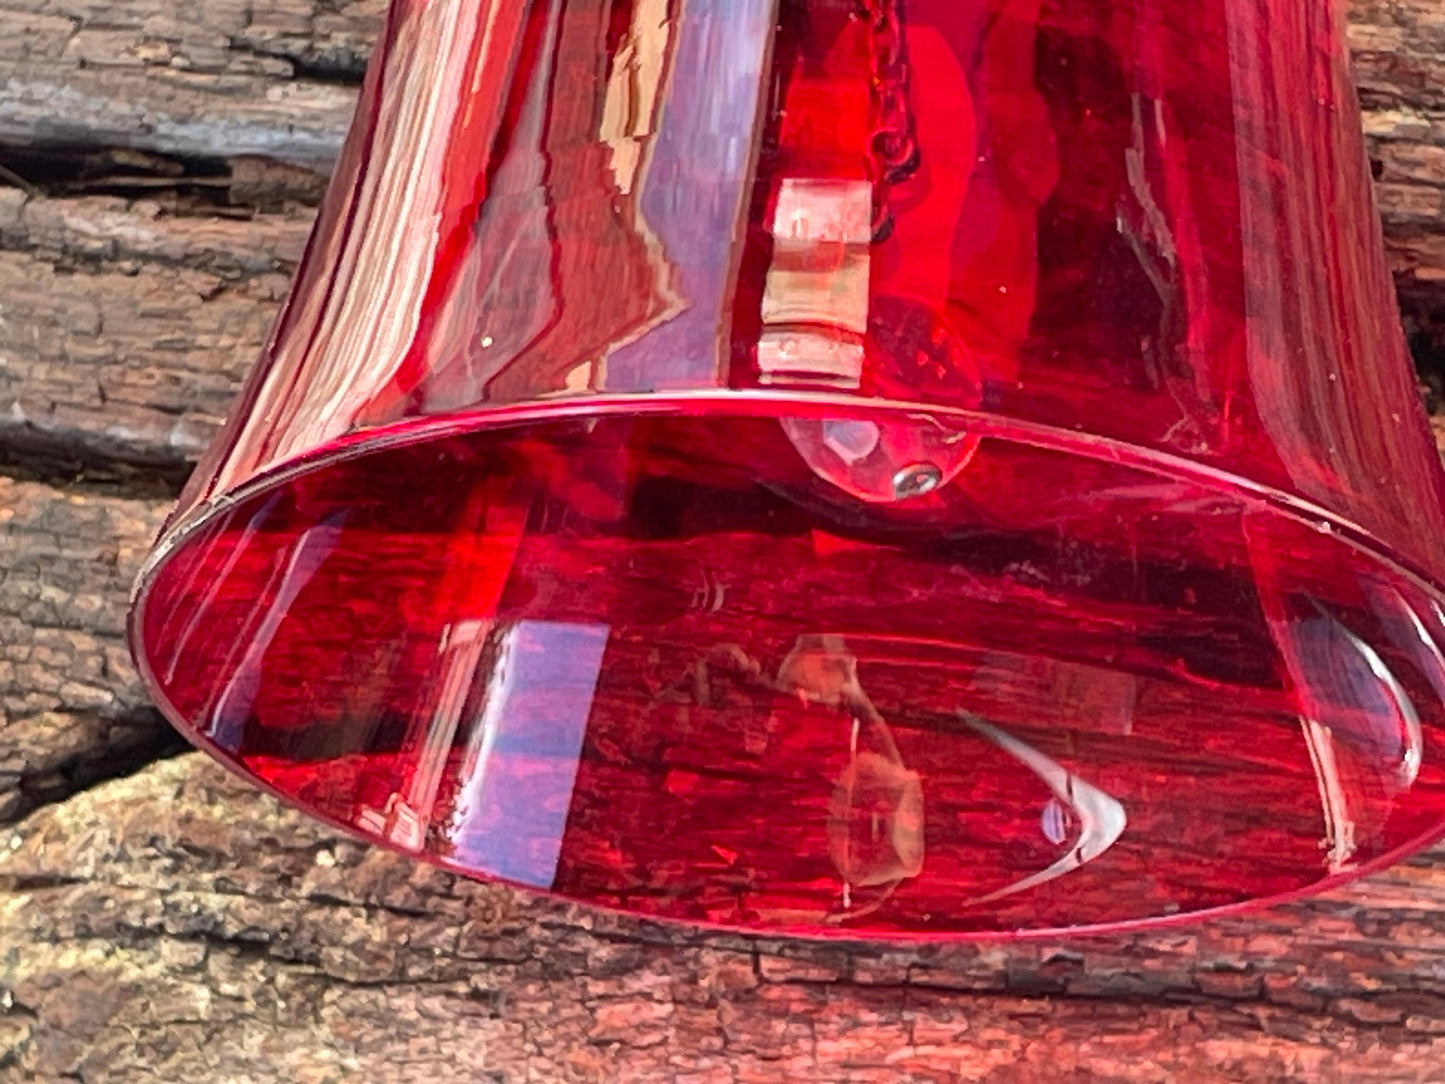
x,y
1399,51
175,925
162,920
73,708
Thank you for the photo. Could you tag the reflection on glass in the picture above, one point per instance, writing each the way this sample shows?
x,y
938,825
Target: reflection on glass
x,y
815,302
232,701
1100,817
1340,833
407,815
514,775
875,814
1347,688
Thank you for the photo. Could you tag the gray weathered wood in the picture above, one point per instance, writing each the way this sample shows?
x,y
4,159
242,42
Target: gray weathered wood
x,y
126,330
275,77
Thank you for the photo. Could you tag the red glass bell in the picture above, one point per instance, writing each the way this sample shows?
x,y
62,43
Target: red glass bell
x,y
835,467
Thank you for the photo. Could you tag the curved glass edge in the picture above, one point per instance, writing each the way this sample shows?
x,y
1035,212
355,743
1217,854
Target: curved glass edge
x,y
361,444
818,405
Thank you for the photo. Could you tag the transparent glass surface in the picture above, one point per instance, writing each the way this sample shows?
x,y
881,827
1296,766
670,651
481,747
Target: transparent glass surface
x,y
836,467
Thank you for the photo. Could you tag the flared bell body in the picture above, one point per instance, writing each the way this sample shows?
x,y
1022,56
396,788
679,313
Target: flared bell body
x,y
837,467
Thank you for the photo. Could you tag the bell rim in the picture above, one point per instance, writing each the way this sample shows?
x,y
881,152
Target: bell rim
x,y
765,403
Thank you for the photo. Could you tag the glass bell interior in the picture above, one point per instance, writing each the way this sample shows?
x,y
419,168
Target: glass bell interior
x,y
838,467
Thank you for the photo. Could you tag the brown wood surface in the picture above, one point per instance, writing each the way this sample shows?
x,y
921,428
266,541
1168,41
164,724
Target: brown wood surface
x,y
159,921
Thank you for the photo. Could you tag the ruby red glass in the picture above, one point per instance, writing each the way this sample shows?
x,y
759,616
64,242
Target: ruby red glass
x,y
835,467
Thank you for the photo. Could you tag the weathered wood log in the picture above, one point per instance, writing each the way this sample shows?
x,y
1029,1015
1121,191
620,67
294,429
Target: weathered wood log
x,y
71,704
175,925
127,330
1399,51
160,166
205,80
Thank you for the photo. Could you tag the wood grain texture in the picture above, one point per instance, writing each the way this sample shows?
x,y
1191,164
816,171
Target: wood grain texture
x,y
71,707
174,924
273,77
126,330
1399,51
177,926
